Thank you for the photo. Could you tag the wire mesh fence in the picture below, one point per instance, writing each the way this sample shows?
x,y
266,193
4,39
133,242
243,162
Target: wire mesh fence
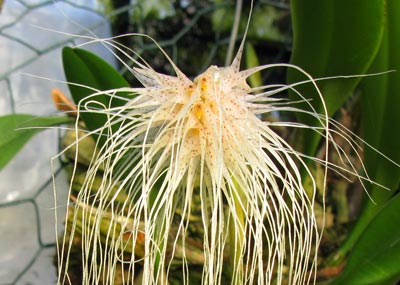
x,y
27,239
194,33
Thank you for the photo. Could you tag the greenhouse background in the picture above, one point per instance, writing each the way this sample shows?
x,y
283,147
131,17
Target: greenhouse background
x,y
29,49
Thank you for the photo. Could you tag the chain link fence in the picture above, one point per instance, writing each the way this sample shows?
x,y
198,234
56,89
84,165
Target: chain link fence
x,y
194,33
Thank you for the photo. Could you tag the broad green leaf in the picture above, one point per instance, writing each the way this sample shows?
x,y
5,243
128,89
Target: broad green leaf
x,y
332,38
17,130
252,61
375,258
381,119
87,69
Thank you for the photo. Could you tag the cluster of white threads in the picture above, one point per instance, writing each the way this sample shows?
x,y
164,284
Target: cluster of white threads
x,y
178,138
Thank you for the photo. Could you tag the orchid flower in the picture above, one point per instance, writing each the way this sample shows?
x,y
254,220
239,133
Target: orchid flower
x,y
177,145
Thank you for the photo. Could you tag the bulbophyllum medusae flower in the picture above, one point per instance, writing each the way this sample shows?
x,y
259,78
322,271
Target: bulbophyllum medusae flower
x,y
185,146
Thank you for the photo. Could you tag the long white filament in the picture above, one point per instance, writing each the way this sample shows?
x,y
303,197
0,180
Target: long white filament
x,y
178,139
184,145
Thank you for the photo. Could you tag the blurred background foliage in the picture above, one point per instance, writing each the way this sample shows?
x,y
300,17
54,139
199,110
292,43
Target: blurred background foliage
x,y
201,28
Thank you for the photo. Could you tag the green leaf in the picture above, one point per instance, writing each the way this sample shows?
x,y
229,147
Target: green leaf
x,y
381,119
329,40
17,130
252,61
375,257
87,69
